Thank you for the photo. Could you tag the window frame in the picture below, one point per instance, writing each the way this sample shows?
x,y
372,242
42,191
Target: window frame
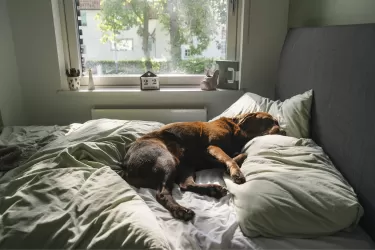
x,y
72,48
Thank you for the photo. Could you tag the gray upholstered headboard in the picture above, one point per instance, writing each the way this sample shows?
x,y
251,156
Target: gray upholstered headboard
x,y
338,63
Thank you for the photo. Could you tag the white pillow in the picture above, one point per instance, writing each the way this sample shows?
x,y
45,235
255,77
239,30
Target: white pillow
x,y
292,189
293,114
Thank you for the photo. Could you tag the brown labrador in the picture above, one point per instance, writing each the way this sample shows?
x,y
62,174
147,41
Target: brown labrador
x,y
173,153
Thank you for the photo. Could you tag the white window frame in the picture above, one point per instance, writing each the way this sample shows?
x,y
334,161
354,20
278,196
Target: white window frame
x,y
70,36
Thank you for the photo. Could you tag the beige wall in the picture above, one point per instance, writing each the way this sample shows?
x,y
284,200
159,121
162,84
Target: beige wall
x,y
11,104
330,12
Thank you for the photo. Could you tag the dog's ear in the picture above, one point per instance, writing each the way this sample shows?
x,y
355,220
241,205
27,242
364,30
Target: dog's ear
x,y
258,123
240,119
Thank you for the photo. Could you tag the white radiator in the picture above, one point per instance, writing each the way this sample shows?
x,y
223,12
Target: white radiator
x,y
159,115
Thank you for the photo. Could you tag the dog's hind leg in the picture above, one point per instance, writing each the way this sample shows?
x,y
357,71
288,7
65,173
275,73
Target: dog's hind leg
x,y
165,198
187,183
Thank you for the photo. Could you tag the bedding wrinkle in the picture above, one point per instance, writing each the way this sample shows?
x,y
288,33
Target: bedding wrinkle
x,y
295,191
68,197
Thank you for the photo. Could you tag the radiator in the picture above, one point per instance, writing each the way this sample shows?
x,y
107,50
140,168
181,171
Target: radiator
x,y
159,115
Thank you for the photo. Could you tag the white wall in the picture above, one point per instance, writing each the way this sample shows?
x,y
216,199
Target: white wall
x,y
11,103
36,51
330,12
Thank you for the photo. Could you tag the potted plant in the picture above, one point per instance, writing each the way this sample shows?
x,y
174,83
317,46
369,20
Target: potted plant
x,y
74,79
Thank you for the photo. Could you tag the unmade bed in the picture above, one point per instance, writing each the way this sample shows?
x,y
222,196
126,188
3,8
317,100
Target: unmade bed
x,y
68,197
67,191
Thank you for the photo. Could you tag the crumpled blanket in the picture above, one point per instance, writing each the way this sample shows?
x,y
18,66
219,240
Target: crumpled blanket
x,y
23,142
8,157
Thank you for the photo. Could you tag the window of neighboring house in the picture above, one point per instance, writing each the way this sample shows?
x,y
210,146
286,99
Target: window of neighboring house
x,y
83,17
122,45
83,49
200,24
187,53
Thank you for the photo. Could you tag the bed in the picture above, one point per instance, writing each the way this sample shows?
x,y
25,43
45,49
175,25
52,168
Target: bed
x,y
67,192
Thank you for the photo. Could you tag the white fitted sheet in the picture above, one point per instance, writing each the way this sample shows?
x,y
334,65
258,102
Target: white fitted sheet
x,y
215,225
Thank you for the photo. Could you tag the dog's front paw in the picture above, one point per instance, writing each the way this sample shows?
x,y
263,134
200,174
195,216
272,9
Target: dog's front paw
x,y
238,177
182,213
217,191
239,159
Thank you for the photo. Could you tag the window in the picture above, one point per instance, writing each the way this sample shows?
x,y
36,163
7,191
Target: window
x,y
177,40
187,53
83,49
122,44
83,18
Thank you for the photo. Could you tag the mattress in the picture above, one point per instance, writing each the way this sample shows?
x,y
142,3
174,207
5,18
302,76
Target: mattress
x,y
214,226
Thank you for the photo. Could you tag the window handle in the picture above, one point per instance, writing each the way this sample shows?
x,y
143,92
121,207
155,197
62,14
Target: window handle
x,y
233,3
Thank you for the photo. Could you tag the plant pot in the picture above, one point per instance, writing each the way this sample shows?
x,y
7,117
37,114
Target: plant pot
x,y
74,82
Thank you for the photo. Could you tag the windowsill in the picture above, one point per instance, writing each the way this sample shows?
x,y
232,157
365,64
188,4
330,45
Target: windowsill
x,y
131,89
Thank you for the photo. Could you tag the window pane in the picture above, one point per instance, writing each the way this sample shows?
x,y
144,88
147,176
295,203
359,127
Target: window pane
x,y
83,18
122,44
164,36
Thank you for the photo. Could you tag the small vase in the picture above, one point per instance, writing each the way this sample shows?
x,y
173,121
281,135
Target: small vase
x,y
74,82
91,81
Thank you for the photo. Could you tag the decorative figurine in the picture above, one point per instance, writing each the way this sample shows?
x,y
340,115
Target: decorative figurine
x,y
149,81
210,81
91,81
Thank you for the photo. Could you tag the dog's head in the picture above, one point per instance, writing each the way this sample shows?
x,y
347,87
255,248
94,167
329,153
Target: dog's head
x,y
257,124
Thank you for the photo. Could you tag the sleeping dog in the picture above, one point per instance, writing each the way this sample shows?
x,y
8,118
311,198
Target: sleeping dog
x,y
173,153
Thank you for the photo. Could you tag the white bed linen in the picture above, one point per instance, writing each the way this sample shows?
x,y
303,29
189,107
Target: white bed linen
x,y
215,225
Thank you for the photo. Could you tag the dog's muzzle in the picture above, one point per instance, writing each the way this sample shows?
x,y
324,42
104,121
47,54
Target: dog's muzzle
x,y
282,132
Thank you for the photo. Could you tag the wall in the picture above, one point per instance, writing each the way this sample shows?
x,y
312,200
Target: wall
x,y
262,40
330,12
40,74
11,104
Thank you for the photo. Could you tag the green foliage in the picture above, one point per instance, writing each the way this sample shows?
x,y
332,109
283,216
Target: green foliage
x,y
120,15
190,22
196,66
113,18
191,66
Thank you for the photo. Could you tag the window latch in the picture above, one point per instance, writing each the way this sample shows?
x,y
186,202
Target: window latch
x,y
233,3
